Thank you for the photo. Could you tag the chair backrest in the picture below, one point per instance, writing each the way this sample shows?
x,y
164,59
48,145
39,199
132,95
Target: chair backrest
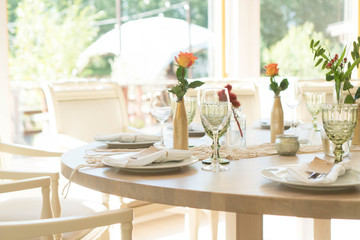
x,y
83,109
246,91
319,85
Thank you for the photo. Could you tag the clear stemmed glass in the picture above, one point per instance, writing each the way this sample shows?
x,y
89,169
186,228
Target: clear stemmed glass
x,y
190,107
160,108
314,101
292,97
215,113
339,122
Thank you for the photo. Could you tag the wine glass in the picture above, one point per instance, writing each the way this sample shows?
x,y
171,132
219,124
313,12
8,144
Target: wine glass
x,y
160,108
190,106
339,122
215,112
313,101
292,96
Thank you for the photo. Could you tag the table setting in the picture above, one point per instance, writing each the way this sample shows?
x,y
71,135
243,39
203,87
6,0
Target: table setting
x,y
337,130
220,116
256,177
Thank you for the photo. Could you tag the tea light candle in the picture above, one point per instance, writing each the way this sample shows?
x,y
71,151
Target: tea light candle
x,y
287,145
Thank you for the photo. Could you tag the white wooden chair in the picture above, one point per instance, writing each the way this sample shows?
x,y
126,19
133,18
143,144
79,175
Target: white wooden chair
x,y
246,91
28,217
79,110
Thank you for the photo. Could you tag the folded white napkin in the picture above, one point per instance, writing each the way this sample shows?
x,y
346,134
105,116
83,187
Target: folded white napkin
x,y
128,137
299,173
147,156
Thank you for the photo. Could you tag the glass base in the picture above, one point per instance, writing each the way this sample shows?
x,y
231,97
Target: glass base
x,y
221,161
215,168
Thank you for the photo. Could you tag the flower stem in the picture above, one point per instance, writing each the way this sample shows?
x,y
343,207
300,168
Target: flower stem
x,y
237,122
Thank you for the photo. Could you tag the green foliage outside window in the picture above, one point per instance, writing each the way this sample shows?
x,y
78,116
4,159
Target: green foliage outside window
x,y
47,42
288,26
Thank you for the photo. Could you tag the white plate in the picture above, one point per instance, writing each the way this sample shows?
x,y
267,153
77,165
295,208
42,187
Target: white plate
x,y
265,124
156,167
278,174
196,133
129,145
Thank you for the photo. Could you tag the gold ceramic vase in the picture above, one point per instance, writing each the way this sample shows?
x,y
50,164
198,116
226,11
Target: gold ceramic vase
x,y
356,137
180,127
277,119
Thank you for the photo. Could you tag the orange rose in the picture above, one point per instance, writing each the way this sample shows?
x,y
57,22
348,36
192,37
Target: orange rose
x,y
271,69
185,59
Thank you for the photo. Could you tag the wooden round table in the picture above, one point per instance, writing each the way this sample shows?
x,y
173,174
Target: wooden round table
x,y
241,190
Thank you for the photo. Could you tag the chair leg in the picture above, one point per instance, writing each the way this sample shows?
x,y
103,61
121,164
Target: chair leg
x,y
126,231
192,219
106,200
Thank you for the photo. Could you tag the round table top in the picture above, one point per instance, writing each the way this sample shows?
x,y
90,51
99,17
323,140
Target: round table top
x,y
242,189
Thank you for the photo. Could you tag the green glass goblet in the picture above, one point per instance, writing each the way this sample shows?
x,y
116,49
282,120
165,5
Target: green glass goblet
x,y
339,122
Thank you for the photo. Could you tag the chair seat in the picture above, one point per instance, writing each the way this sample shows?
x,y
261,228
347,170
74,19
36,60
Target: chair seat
x,y
14,210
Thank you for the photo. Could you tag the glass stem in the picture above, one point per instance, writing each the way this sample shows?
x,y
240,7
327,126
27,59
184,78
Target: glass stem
x,y
162,134
315,122
215,159
338,152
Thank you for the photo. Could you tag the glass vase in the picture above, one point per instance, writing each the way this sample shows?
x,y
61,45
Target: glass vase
x,y
236,133
338,93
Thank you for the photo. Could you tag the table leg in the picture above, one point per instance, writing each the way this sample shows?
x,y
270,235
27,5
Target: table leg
x,y
322,229
244,226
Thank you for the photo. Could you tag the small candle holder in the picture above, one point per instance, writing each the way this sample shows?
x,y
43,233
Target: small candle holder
x,y
287,145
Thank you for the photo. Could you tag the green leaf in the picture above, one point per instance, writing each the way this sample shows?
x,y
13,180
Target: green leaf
x,y
348,72
349,99
274,87
357,94
317,43
321,52
324,65
195,84
311,43
353,55
329,77
318,62
180,73
284,84
347,85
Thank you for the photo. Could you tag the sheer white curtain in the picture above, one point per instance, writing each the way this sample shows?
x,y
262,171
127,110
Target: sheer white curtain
x,y
242,38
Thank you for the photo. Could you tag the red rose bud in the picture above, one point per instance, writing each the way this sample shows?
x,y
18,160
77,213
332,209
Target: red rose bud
x,y
236,104
222,95
232,97
229,87
336,57
333,60
345,60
